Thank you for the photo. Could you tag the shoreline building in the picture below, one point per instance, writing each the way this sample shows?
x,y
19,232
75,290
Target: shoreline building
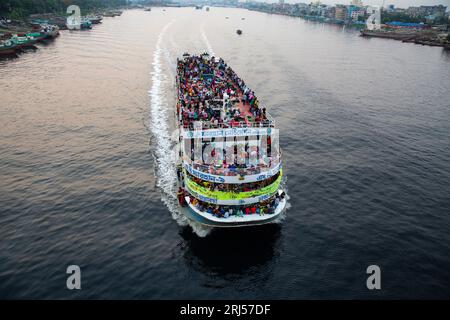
x,y
357,3
354,12
340,12
423,11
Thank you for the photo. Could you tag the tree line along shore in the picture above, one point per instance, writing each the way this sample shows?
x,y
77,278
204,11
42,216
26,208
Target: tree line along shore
x,y
21,9
19,16
25,23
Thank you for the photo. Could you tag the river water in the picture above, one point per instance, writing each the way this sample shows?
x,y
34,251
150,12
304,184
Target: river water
x,y
87,175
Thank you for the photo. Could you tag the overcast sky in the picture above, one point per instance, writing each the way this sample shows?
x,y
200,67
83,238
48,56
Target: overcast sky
x,y
398,3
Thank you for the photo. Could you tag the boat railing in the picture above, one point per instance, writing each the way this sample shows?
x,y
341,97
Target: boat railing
x,y
221,170
269,123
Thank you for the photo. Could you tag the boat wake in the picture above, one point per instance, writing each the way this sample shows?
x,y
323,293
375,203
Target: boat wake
x,y
288,204
205,39
164,148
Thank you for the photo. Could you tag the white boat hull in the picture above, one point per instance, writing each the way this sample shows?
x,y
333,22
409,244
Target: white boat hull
x,y
208,219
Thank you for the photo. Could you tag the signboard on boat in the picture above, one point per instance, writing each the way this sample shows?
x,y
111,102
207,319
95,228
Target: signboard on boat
x,y
228,132
232,198
231,179
239,202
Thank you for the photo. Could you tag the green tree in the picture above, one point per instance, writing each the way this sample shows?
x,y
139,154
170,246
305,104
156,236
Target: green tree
x,y
400,17
17,9
362,18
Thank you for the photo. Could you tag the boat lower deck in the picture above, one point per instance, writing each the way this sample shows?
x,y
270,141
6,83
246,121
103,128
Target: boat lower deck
x,y
208,219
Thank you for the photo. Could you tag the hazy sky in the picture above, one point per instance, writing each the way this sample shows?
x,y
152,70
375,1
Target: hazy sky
x,y
398,3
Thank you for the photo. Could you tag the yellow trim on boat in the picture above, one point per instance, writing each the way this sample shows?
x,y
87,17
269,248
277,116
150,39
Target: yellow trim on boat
x,y
226,195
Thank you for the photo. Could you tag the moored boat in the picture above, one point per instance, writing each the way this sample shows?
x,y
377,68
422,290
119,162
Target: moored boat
x,y
50,31
38,36
7,48
44,32
86,23
24,41
95,19
113,13
229,170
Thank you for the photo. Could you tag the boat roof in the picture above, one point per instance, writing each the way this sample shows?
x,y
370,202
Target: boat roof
x,y
211,92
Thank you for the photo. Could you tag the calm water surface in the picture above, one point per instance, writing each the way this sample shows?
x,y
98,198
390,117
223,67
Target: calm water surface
x,y
87,174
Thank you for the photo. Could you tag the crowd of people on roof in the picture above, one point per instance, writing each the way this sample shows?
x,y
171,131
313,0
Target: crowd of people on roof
x,y
261,208
235,188
210,91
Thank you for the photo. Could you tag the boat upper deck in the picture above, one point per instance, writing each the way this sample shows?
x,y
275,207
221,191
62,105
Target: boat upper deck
x,y
210,91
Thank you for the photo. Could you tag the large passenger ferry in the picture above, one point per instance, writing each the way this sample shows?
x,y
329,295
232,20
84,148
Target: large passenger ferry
x,y
229,168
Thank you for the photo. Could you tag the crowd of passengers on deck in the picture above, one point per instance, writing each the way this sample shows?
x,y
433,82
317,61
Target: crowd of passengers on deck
x,y
203,84
241,160
235,188
262,208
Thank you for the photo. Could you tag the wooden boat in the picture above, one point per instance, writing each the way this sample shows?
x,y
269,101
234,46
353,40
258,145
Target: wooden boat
x,y
24,42
7,48
38,36
95,19
112,14
50,31
86,24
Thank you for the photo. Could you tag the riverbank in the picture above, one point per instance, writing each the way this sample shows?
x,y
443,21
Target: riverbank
x,y
17,35
429,37
57,17
320,19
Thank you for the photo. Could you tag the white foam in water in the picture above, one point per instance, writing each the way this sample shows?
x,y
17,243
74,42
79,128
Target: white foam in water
x,y
161,112
283,187
282,216
205,39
